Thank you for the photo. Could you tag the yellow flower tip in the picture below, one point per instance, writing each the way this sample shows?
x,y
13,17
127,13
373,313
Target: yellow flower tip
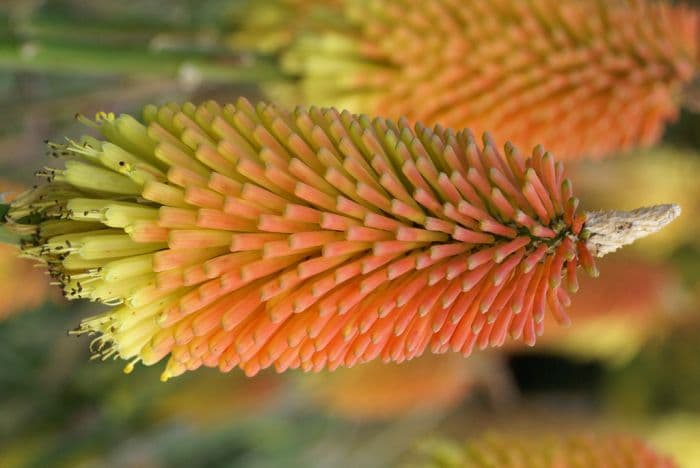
x,y
102,117
164,376
129,368
86,121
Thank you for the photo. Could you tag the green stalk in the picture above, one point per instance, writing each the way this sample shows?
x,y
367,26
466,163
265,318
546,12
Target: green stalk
x,y
97,60
56,29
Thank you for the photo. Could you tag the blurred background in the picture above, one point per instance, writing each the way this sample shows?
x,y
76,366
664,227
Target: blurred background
x,y
629,364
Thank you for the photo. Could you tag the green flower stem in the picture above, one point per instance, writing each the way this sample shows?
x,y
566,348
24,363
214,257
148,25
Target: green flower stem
x,y
99,60
155,35
68,32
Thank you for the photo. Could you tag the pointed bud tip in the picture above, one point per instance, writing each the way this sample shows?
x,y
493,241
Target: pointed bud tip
x,y
610,230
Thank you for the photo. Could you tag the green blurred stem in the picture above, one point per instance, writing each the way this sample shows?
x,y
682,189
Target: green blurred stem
x,y
60,28
142,34
96,60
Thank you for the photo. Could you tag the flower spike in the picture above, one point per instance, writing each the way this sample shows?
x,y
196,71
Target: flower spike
x,y
585,78
543,451
247,236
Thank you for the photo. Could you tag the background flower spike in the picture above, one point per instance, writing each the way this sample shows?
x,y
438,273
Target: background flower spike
x,y
583,78
541,450
248,236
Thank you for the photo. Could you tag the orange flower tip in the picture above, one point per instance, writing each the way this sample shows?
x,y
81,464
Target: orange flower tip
x,y
570,256
541,231
538,317
473,263
384,311
297,307
497,228
422,262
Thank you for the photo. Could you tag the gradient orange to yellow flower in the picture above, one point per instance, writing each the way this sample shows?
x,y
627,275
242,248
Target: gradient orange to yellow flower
x,y
247,236
584,78
538,451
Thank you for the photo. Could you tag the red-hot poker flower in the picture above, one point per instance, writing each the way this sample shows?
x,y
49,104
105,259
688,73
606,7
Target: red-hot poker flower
x,y
506,451
583,78
250,236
